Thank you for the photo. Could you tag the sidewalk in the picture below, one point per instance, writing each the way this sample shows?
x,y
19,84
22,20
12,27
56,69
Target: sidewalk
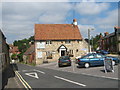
x,y
13,83
11,80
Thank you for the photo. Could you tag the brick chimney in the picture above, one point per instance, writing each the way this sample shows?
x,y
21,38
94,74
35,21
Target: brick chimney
x,y
106,33
74,21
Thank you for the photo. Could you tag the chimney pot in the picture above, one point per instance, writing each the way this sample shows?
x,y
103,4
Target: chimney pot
x,y
74,21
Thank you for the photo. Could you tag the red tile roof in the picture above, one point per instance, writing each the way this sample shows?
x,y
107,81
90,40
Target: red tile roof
x,y
117,27
57,32
13,49
30,50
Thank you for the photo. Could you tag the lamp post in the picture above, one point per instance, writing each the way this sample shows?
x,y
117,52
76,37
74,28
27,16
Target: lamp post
x,y
89,39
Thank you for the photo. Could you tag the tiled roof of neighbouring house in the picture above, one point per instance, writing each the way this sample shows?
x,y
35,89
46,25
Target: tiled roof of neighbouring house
x,y
30,50
57,32
13,49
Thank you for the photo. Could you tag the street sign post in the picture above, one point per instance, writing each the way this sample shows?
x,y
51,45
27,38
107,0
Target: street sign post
x,y
108,65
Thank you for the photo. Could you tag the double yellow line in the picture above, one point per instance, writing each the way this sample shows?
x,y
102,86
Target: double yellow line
x,y
26,85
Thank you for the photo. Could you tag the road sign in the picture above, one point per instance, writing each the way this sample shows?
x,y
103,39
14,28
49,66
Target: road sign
x,y
33,74
108,65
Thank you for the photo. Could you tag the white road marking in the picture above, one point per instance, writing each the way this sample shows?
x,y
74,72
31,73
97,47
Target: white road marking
x,y
99,76
33,74
39,71
70,81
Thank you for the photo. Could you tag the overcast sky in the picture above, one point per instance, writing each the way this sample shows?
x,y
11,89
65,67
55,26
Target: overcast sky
x,y
18,18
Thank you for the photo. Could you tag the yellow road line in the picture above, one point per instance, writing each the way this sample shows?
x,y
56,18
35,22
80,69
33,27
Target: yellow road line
x,y
24,81
21,80
26,85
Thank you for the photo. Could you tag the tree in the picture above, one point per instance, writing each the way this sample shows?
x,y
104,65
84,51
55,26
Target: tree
x,y
14,56
23,45
94,41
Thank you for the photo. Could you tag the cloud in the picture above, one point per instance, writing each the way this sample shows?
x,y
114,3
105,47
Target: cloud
x,y
91,8
84,30
55,14
103,23
19,18
111,19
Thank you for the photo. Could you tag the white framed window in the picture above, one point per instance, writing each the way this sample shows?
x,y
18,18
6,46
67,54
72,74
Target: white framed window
x,y
39,54
40,45
71,51
49,55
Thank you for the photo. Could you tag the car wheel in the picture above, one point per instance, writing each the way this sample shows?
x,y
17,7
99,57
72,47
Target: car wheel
x,y
59,65
87,65
113,63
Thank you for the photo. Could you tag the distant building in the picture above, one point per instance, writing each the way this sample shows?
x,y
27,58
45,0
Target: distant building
x,y
4,51
29,55
55,40
13,49
111,42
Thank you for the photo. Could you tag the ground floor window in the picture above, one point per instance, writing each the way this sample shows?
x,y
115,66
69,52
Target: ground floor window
x,y
39,54
49,55
71,53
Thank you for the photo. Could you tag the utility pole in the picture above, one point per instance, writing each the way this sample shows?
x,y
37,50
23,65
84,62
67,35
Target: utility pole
x,y
89,39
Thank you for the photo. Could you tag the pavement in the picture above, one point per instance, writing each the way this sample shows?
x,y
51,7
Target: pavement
x,y
10,80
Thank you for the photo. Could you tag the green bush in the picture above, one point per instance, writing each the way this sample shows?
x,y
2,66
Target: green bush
x,y
20,56
14,56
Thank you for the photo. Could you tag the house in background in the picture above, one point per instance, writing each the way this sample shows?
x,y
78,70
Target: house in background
x,y
29,55
13,50
111,42
55,40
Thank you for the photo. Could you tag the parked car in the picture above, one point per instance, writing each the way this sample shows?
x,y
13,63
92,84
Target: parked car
x,y
102,52
64,60
95,59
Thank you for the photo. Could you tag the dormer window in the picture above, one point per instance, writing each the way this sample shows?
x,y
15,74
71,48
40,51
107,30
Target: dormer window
x,y
67,42
49,42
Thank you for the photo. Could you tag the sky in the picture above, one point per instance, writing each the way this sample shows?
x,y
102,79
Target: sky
x,y
17,19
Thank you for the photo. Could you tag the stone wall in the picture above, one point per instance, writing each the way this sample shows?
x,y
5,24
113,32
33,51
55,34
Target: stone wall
x,y
73,45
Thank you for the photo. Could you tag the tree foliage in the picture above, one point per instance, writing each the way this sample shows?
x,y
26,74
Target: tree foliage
x,y
14,56
94,41
23,45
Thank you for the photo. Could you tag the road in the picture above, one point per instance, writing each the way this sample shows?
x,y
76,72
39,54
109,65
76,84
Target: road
x,y
39,77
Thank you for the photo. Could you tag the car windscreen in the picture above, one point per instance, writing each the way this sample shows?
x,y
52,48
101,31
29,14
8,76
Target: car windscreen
x,y
64,58
86,56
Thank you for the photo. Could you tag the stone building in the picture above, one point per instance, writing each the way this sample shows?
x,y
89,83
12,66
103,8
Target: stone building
x,y
55,40
29,55
13,50
4,51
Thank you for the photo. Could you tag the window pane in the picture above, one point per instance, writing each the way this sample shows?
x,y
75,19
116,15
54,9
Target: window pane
x,y
39,54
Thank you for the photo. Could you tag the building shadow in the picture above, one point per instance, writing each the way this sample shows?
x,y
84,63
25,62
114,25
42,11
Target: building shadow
x,y
8,73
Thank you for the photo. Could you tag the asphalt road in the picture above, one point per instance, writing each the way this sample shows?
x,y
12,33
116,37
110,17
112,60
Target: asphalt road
x,y
38,77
